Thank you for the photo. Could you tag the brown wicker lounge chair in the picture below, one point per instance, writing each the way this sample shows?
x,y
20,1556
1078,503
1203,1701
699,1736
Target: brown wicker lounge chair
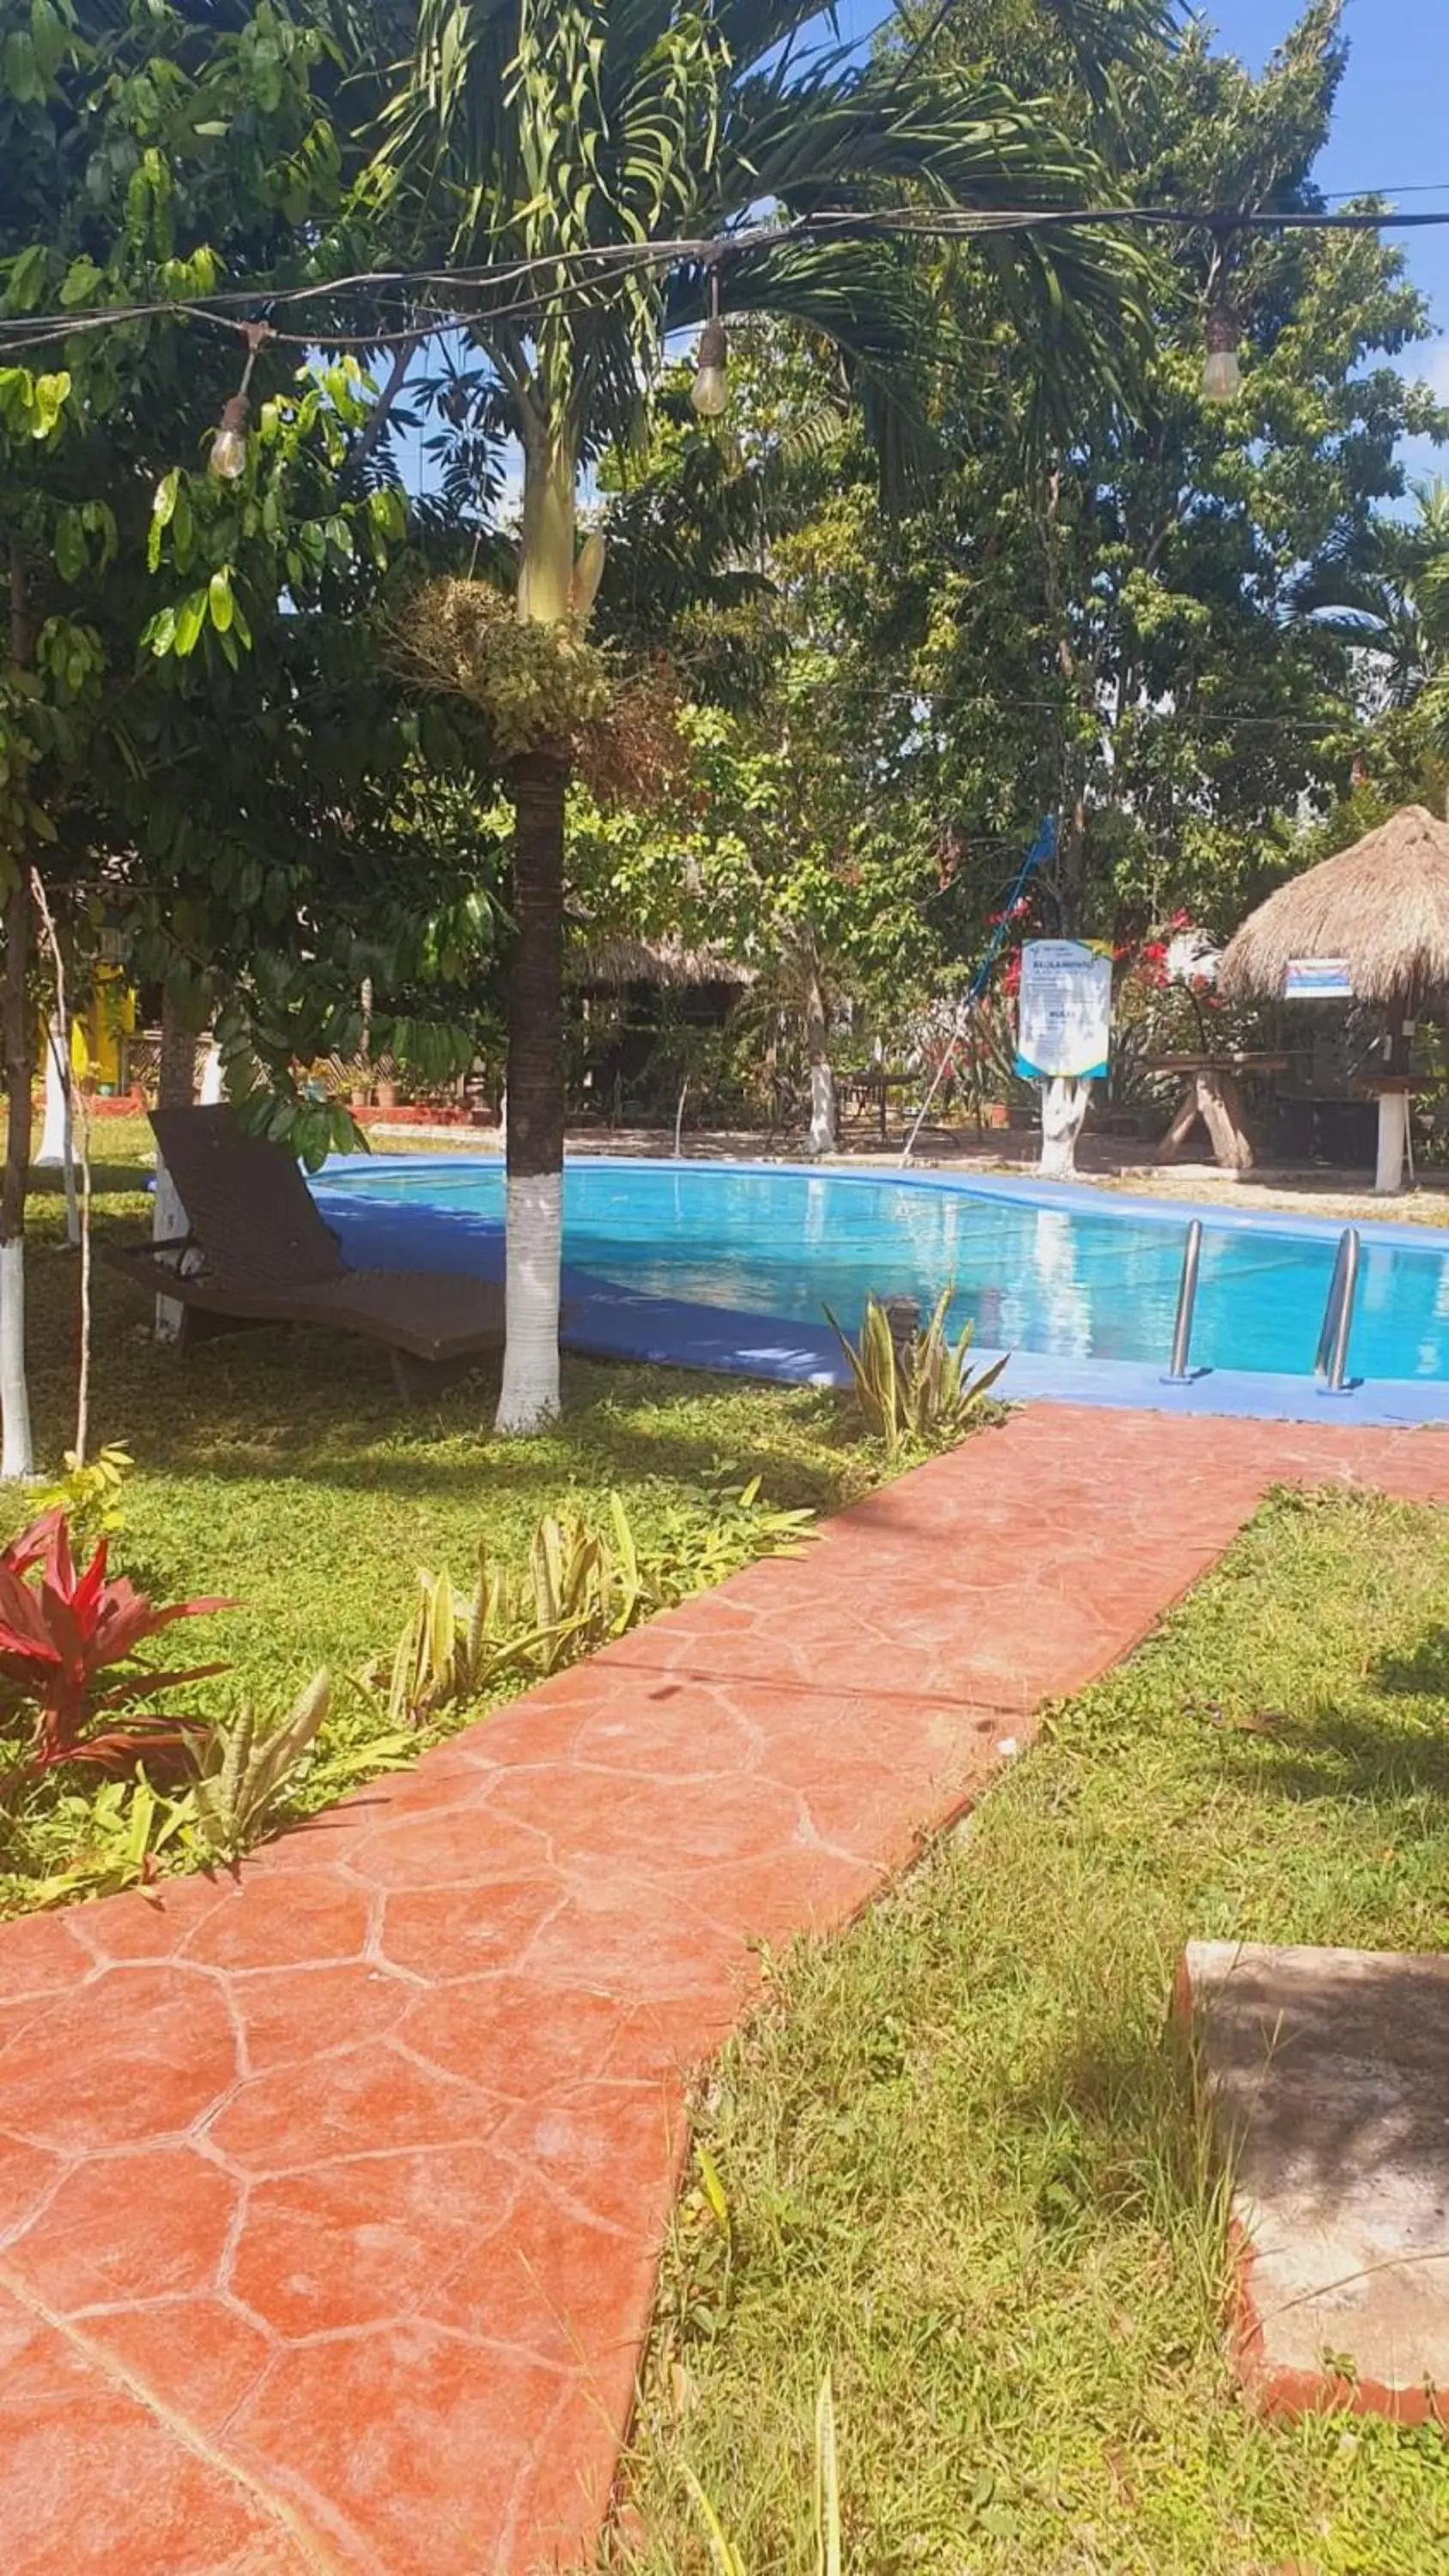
x,y
257,1251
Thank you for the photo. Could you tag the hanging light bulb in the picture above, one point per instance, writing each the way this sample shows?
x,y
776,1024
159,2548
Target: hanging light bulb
x,y
228,457
710,391
1222,373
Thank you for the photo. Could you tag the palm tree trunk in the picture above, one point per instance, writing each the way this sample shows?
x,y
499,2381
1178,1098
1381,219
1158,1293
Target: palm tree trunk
x,y
530,1393
17,1452
175,1089
535,1083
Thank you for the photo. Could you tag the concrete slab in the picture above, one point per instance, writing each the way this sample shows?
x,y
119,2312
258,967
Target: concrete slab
x,y
1327,2072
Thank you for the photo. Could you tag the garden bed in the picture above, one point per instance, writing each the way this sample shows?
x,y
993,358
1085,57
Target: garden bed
x,y
276,1469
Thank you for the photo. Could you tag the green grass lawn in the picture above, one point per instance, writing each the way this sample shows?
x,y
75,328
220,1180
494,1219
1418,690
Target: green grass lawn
x,y
961,2159
280,1469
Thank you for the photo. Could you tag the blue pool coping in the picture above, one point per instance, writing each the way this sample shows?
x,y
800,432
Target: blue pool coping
x,y
605,1320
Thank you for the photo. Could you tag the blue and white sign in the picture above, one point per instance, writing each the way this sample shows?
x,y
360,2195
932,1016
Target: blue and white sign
x,y
1317,979
1064,1026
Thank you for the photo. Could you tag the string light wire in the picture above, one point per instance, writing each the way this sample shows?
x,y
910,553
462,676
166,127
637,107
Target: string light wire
x,y
506,290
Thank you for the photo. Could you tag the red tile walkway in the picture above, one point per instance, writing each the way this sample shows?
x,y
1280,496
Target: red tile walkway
x,y
329,2202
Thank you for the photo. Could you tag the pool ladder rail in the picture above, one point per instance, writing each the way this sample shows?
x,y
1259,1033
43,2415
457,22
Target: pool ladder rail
x,y
1330,1365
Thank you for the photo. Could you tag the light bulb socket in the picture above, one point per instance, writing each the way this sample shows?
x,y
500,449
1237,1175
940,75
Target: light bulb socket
x,y
1222,331
714,345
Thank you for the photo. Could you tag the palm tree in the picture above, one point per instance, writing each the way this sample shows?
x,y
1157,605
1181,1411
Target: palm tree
x,y
1395,607
571,135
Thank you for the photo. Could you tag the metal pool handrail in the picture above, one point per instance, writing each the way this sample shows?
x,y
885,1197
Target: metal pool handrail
x,y
1331,1361
1181,1372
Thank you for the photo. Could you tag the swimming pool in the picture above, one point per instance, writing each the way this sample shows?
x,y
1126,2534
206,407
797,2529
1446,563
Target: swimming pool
x,y
1066,1277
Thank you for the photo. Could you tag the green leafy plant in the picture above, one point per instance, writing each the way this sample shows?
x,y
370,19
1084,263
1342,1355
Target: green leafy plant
x,y
89,1493
735,1527
916,1393
582,1586
125,1826
241,1773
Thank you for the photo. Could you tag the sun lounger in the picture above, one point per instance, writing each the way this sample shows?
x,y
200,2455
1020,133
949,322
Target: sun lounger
x,y
258,1251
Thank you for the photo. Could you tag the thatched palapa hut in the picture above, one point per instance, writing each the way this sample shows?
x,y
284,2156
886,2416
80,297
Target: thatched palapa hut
x,y
664,964
628,993
1382,910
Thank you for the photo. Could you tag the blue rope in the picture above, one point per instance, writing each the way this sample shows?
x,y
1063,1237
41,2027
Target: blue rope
x,y
1043,850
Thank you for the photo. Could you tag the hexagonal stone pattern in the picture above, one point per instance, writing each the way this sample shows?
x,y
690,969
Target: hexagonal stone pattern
x,y
330,2196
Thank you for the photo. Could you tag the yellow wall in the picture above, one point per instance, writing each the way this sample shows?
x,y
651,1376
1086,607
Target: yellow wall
x,y
96,1032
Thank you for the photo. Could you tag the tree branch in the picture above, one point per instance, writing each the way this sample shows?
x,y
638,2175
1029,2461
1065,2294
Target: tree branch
x,y
377,418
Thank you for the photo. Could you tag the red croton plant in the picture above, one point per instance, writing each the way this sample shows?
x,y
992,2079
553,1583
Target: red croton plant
x,y
63,1636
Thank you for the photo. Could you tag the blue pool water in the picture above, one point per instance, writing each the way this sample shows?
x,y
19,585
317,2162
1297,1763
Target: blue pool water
x,y
1076,1282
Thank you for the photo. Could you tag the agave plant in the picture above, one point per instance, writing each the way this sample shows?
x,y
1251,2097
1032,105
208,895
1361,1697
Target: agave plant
x,y
448,1652
581,1589
585,1589
63,1634
241,1772
916,1391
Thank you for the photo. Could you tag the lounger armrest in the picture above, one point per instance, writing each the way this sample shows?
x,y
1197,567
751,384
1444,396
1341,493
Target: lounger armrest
x,y
147,1253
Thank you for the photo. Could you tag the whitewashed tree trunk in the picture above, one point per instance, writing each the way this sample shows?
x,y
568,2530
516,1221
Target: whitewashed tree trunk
x,y
57,1138
175,1089
54,1147
529,1396
17,1451
1064,1102
534,1143
211,1081
824,1134
168,1219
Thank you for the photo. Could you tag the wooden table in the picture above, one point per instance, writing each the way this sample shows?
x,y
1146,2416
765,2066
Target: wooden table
x,y
1212,1094
859,1093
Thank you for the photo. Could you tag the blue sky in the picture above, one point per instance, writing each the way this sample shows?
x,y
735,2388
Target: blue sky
x,y
1391,130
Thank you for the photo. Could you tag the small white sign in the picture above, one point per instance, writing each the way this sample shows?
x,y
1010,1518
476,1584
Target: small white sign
x,y
1317,979
1064,1025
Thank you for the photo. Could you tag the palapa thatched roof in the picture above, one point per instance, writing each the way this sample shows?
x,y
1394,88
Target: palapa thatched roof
x,y
654,961
1383,907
